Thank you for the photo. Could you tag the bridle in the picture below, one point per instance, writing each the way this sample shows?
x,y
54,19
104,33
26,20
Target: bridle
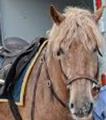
x,y
71,81
50,85
83,77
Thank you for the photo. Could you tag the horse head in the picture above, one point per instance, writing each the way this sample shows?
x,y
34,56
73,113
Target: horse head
x,y
72,53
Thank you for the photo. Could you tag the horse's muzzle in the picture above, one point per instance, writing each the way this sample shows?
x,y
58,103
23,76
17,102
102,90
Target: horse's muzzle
x,y
83,111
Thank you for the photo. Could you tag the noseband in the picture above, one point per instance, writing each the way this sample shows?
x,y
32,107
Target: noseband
x,y
92,80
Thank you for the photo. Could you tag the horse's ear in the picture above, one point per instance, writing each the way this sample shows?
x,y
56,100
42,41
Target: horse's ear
x,y
56,15
97,15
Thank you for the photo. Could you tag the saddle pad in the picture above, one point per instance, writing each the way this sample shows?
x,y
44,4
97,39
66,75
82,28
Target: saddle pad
x,y
19,89
1,62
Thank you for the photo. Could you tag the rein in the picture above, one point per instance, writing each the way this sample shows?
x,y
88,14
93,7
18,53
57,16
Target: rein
x,y
50,85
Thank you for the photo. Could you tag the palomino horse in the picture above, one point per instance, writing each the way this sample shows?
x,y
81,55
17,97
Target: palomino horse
x,y
65,70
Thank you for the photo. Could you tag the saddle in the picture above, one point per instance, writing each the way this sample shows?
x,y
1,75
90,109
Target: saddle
x,y
15,54
10,49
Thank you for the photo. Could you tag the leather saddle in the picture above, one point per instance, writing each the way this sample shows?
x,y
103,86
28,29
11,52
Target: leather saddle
x,y
11,48
15,54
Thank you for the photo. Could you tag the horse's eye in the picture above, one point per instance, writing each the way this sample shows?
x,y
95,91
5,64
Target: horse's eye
x,y
60,52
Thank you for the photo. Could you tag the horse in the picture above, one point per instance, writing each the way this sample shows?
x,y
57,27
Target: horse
x,y
61,81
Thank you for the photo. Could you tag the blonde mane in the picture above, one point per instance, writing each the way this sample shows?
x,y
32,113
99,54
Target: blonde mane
x,y
78,25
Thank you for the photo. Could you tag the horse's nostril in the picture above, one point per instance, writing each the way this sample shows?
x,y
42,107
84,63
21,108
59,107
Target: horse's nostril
x,y
71,105
90,108
87,108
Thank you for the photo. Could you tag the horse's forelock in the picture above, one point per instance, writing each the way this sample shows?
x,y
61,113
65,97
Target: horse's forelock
x,y
78,25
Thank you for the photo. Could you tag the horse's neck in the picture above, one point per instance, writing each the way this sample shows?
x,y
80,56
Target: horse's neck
x,y
45,99
57,78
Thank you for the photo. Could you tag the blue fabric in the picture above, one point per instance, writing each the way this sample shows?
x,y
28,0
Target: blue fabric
x,y
1,61
18,86
99,111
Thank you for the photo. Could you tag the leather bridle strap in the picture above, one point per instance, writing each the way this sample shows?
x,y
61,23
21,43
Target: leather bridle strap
x,y
78,78
50,85
56,96
81,78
